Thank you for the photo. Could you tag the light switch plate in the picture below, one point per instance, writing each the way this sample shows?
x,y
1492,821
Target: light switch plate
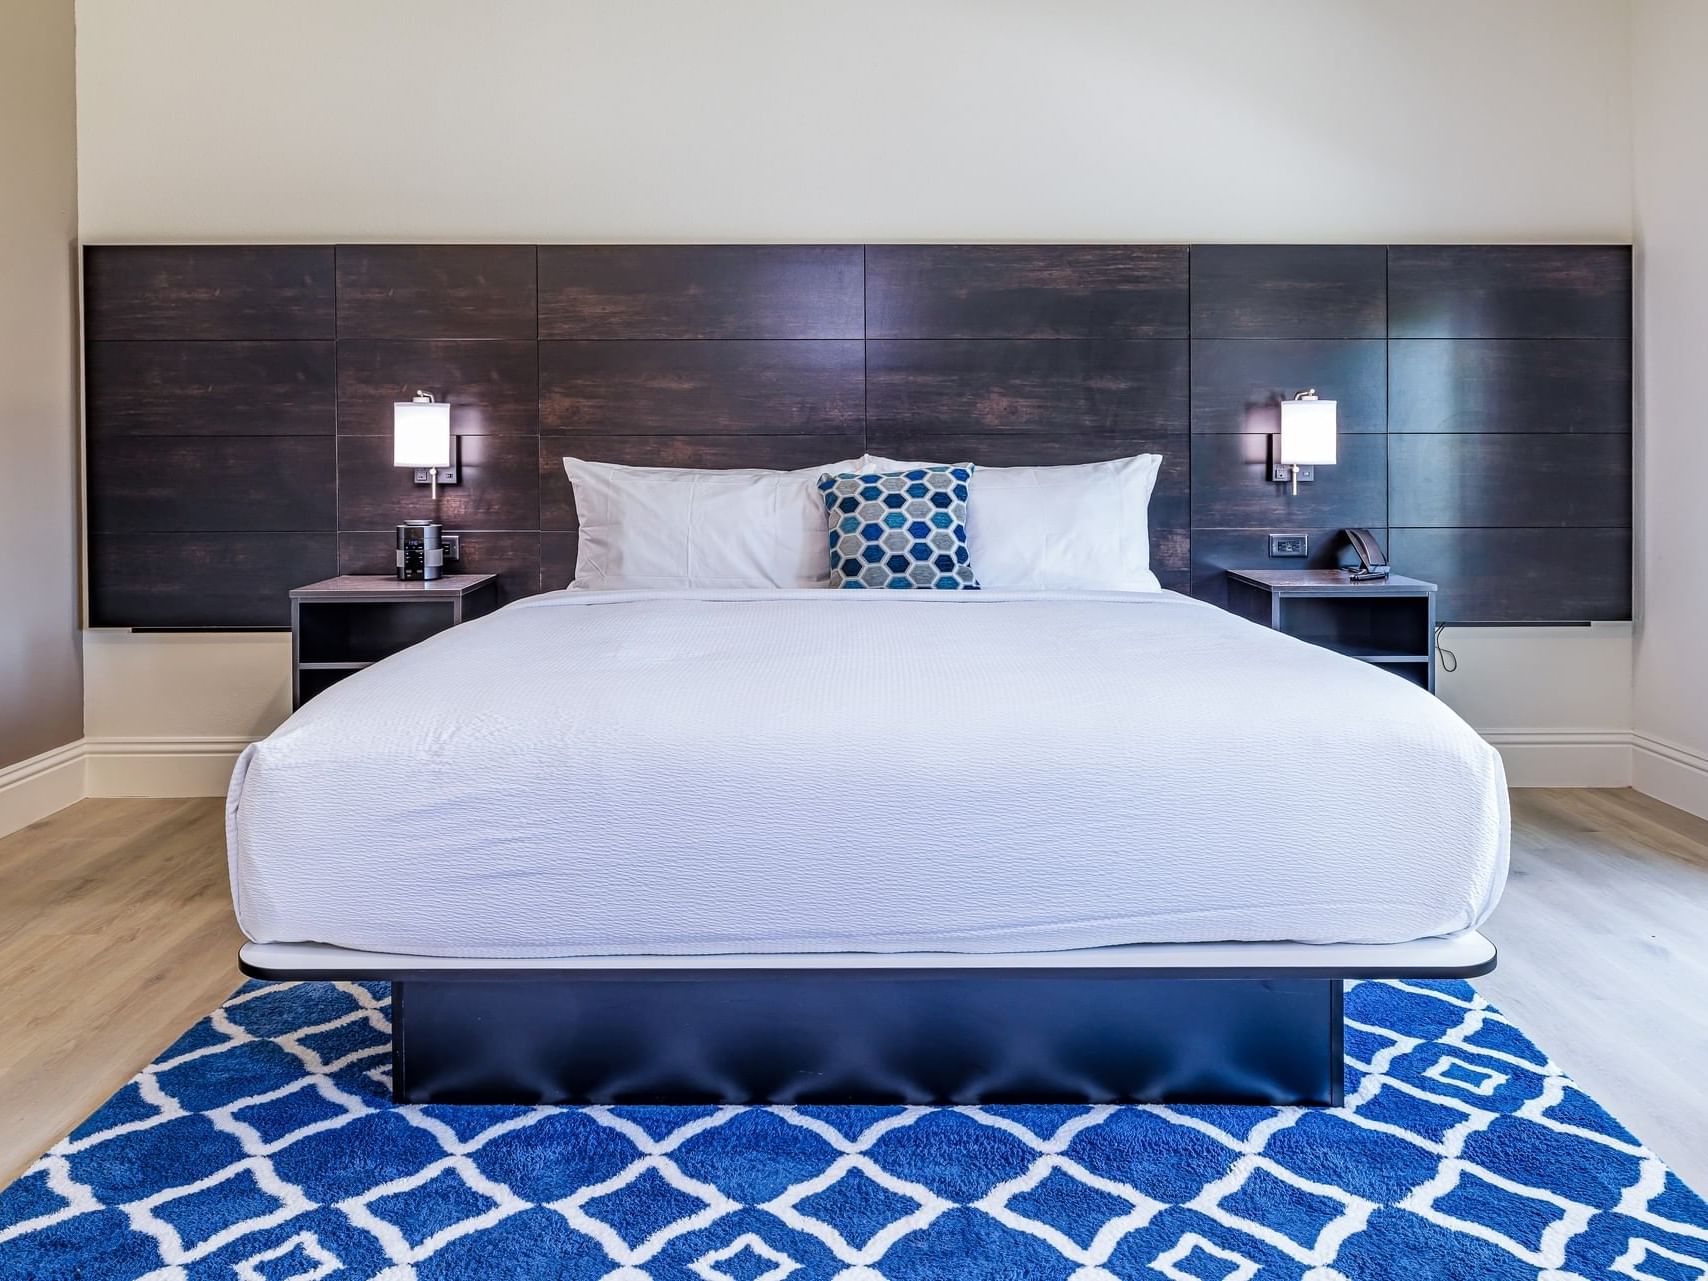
x,y
1282,473
448,475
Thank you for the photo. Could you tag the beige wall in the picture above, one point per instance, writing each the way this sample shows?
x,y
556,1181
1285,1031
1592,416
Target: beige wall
x,y
1671,124
41,695
1127,120
859,120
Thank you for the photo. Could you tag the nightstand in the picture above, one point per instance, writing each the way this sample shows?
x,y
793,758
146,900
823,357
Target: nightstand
x,y
341,625
1388,622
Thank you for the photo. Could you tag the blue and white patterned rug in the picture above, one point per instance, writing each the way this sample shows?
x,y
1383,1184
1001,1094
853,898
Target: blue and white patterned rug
x,y
262,1146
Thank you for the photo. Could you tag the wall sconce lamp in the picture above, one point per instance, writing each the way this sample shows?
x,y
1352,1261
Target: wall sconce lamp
x,y
421,438
1307,438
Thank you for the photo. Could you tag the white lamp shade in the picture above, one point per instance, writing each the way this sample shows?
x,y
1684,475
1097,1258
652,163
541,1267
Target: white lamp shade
x,y
1307,432
421,434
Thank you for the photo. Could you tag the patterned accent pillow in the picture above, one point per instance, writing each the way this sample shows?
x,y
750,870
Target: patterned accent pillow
x,y
899,529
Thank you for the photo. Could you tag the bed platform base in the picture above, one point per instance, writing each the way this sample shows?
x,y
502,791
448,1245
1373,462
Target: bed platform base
x,y
1225,1023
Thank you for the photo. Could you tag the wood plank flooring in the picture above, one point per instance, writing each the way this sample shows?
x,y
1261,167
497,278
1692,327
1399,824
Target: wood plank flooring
x,y
116,935
1603,935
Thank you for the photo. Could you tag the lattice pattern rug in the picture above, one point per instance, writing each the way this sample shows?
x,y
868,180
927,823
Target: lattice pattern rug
x,y
262,1146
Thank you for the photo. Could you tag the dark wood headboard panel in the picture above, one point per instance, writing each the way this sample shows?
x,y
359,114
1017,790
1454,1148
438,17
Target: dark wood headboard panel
x,y
239,399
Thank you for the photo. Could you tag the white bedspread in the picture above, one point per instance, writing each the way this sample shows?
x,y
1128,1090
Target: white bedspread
x,y
644,772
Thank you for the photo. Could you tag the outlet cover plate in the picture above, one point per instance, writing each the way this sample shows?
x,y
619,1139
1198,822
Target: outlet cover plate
x,y
1289,544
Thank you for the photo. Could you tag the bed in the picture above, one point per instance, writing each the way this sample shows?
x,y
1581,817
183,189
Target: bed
x,y
807,845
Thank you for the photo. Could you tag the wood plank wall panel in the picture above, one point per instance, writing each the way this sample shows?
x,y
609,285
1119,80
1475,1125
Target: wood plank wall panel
x,y
210,292
732,387
1509,291
557,559
498,489
1510,400
1068,387
1269,321
437,291
1026,291
1008,355
492,387
461,323
1511,385
210,470
239,397
212,484
1231,489
1489,481
1511,575
1238,384
695,356
701,291
199,388
1289,291
233,581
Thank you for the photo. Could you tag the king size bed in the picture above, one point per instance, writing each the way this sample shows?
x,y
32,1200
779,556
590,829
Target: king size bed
x,y
919,846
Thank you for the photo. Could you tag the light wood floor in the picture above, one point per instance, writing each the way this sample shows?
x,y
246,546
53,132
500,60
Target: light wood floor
x,y
116,935
1603,937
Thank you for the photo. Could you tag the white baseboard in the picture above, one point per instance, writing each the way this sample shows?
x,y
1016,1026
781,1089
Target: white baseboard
x,y
1670,772
1564,757
160,766
31,790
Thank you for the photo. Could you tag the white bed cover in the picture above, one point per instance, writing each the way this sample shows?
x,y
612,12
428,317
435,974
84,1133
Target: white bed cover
x,y
587,773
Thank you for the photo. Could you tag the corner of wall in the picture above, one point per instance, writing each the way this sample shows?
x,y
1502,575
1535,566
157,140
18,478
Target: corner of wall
x,y
1669,189
1671,773
32,789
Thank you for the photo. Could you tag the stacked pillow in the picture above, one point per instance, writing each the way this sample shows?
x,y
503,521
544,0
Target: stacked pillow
x,y
677,528
1073,528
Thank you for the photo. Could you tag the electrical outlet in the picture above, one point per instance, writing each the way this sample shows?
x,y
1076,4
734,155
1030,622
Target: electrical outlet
x,y
1282,473
1289,544
452,545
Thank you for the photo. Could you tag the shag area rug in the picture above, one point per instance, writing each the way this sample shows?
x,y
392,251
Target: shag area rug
x,y
263,1146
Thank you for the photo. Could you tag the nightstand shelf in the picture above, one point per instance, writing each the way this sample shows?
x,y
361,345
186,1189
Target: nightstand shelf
x,y
1365,652
342,625
1388,623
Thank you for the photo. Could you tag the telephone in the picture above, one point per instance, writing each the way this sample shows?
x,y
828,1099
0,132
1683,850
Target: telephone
x,y
1372,563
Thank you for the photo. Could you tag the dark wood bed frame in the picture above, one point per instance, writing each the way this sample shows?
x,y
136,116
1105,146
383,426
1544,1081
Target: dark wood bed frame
x,y
1239,1023
781,1036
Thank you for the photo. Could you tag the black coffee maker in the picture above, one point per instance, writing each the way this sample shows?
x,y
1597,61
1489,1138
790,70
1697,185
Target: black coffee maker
x,y
419,554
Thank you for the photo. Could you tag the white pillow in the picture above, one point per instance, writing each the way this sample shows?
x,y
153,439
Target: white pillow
x,y
1077,528
663,528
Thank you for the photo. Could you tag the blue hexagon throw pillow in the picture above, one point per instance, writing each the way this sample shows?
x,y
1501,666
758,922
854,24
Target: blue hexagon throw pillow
x,y
899,528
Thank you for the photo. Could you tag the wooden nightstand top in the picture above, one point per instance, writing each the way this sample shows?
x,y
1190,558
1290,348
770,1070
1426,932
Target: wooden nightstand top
x,y
385,585
1284,581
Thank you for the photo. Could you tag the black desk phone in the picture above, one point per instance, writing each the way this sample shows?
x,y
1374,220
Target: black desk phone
x,y
1372,562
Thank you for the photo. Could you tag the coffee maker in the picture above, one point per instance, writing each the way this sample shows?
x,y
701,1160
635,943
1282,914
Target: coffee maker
x,y
420,557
